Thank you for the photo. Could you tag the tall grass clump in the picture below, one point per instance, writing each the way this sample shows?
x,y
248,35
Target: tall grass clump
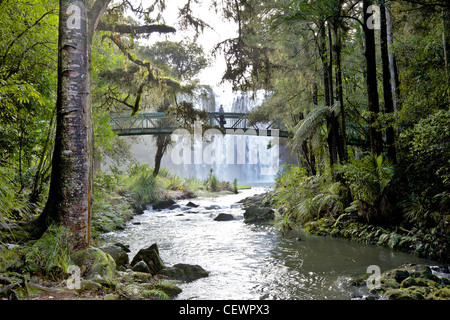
x,y
50,255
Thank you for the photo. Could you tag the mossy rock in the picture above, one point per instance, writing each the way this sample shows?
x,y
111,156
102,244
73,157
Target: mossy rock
x,y
151,257
93,263
358,281
412,293
168,286
441,294
258,214
135,277
13,260
89,285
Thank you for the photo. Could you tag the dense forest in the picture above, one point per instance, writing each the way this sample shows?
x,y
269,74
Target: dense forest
x,y
363,86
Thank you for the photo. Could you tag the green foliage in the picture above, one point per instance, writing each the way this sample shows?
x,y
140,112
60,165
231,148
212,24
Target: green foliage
x,y
427,149
9,201
145,190
212,183
368,177
181,59
303,198
50,255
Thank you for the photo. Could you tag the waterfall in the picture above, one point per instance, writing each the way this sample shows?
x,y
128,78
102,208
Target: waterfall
x,y
241,157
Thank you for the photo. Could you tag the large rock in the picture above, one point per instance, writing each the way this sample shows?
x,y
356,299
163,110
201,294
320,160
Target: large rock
x,y
224,217
192,205
117,253
184,272
141,266
151,257
93,263
258,214
163,204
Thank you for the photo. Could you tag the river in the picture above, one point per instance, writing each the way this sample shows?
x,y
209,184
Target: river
x,y
248,261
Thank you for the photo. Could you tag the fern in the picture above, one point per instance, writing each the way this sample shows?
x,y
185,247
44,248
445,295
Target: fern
x,y
368,177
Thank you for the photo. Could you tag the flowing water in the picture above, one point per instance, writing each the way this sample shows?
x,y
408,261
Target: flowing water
x,y
248,261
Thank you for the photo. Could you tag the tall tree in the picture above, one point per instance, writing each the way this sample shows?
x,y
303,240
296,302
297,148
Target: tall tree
x,y
70,196
387,88
376,139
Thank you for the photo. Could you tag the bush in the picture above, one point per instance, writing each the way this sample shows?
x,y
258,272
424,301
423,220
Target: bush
x,y
368,180
302,198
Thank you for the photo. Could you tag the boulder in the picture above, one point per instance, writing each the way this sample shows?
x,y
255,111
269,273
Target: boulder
x,y
125,247
192,205
117,253
94,263
212,207
162,204
174,206
258,214
141,266
184,272
401,275
224,217
151,257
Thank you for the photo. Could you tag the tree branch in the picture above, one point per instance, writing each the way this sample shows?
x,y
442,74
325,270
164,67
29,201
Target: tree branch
x,y
128,29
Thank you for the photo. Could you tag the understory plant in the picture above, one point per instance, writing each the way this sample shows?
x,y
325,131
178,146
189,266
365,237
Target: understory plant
x,y
368,180
301,198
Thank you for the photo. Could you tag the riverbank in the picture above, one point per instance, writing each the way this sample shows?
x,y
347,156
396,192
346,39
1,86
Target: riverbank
x,y
40,269
406,282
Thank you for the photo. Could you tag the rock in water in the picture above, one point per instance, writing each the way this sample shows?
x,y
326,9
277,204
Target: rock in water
x,y
258,214
184,272
192,205
151,257
224,217
163,204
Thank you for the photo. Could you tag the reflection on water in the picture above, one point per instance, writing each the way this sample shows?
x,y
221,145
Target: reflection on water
x,y
252,261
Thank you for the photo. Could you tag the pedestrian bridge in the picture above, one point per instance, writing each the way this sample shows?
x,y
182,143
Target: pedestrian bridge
x,y
154,123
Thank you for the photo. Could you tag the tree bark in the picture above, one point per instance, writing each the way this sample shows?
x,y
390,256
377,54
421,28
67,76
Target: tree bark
x,y
70,196
376,139
387,88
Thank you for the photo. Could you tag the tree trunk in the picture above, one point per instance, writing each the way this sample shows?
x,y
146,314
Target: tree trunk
x,y
342,143
376,139
70,196
392,67
327,94
387,88
446,40
162,142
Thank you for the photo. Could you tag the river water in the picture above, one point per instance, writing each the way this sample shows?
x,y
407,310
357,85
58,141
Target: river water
x,y
248,261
